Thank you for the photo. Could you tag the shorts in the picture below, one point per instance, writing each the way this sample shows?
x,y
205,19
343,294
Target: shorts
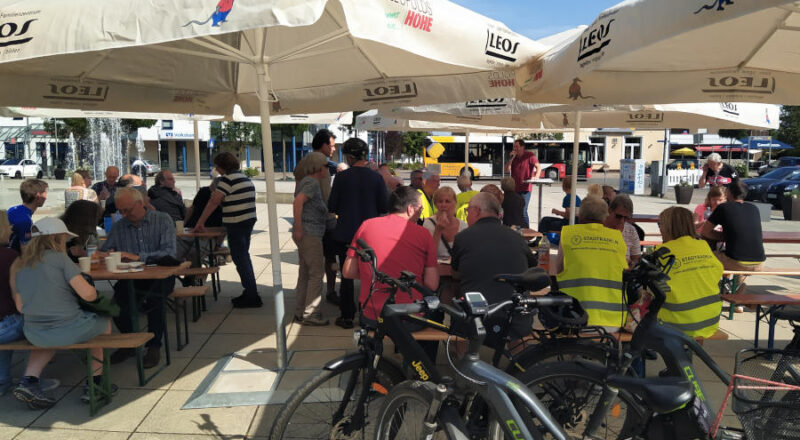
x,y
86,326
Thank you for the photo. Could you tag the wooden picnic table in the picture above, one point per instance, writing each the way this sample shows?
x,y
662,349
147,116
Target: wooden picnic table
x,y
100,272
644,218
781,236
774,302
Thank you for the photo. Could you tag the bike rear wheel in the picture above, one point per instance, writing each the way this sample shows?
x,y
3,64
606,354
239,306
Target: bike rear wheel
x,y
571,394
322,408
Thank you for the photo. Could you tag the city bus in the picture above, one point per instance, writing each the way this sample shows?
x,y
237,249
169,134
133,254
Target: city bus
x,y
486,155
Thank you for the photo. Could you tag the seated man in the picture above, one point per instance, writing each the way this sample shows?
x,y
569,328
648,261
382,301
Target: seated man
x,y
590,262
400,244
550,224
185,245
141,235
488,248
619,216
165,197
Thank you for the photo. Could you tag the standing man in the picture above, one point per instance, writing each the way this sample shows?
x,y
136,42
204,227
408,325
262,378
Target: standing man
x,y
237,195
430,183
715,172
141,235
33,193
358,194
523,166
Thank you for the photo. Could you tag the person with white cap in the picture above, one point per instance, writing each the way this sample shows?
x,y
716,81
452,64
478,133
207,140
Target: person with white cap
x,y
44,283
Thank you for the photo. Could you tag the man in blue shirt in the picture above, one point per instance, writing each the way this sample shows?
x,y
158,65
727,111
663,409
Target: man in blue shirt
x,y
33,193
146,236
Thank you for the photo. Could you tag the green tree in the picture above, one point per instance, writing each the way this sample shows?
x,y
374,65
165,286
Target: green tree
x,y
234,136
789,130
413,142
734,134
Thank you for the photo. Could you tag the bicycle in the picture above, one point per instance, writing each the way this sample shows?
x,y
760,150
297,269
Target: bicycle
x,y
584,396
418,410
347,388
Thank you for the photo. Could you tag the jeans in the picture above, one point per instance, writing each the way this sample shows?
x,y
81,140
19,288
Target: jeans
x,y
10,331
239,244
552,224
346,302
153,306
526,195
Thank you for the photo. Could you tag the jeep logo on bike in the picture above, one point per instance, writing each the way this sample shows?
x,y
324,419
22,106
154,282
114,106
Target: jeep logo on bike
x,y
595,40
729,108
741,84
402,90
77,92
500,47
15,32
645,117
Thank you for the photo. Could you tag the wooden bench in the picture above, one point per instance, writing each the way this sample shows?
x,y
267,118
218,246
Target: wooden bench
x,y
203,272
98,395
177,301
766,271
774,302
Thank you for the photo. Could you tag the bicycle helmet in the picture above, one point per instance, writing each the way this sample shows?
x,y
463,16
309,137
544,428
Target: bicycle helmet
x,y
571,317
355,148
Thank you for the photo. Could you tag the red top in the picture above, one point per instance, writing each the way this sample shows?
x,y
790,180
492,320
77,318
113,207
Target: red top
x,y
522,170
399,245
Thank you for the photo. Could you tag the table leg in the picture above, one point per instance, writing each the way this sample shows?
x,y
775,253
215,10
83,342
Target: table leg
x,y
133,309
540,206
772,322
199,263
759,315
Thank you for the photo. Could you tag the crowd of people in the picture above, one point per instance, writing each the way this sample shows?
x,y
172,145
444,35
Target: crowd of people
x,y
410,228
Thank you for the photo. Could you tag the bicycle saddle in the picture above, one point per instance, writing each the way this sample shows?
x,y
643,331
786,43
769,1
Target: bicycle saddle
x,y
662,395
534,279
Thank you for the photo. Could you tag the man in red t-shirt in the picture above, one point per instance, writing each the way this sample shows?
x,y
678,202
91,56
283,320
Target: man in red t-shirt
x,y
523,166
400,244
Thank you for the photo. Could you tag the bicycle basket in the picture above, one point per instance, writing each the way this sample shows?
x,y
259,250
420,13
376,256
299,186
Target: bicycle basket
x,y
766,393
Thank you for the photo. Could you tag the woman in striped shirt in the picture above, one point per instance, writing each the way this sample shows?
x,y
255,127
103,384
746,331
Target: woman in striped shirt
x,y
237,195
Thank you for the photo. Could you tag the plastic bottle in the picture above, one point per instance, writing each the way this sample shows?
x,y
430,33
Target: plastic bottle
x,y
91,245
707,214
544,253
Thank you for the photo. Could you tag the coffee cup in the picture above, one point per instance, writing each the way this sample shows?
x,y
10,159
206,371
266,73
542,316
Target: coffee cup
x,y
117,258
111,265
85,264
179,226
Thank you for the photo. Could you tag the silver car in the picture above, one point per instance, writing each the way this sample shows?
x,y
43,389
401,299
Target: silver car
x,y
151,168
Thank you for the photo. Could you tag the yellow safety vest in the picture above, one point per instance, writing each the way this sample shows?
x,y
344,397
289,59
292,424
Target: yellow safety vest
x,y
594,258
693,305
461,213
464,198
428,209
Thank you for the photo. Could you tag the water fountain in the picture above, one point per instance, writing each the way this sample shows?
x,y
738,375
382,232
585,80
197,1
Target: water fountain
x,y
69,158
139,146
105,140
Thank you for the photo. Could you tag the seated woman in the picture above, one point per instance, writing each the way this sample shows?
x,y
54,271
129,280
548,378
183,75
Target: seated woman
x,y
702,212
444,225
513,204
78,191
44,284
693,304
81,219
590,262
10,318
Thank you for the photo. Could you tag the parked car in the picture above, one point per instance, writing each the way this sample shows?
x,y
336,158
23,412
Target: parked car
x,y
776,190
757,186
151,168
685,164
786,161
19,168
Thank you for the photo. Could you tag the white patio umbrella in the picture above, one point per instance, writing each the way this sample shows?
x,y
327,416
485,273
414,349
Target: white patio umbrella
x,y
373,120
300,118
513,113
283,57
651,51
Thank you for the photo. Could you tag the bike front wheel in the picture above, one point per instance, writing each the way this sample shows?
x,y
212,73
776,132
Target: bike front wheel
x,y
402,415
324,406
572,395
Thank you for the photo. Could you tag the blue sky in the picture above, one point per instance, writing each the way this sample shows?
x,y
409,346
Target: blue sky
x,y
539,18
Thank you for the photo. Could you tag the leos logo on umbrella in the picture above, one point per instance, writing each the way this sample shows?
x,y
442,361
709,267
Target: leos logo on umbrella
x,y
218,16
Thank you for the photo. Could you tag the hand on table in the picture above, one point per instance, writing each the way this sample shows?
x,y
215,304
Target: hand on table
x,y
127,256
199,228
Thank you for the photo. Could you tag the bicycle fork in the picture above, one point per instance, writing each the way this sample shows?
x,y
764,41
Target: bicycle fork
x,y
433,411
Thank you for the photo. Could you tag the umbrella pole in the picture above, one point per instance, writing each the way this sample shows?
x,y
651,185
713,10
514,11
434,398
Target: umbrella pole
x,y
466,153
196,157
272,213
665,159
575,144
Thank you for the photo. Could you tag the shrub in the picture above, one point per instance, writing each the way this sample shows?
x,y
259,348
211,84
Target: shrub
x,y
741,170
251,172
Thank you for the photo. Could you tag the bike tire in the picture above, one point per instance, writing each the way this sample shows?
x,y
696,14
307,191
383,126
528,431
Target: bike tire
x,y
304,415
403,411
559,350
570,393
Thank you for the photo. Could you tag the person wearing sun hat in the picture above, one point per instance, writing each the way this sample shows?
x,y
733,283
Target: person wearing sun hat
x,y
44,283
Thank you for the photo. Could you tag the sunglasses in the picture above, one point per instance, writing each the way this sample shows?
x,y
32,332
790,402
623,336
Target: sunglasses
x,y
622,217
